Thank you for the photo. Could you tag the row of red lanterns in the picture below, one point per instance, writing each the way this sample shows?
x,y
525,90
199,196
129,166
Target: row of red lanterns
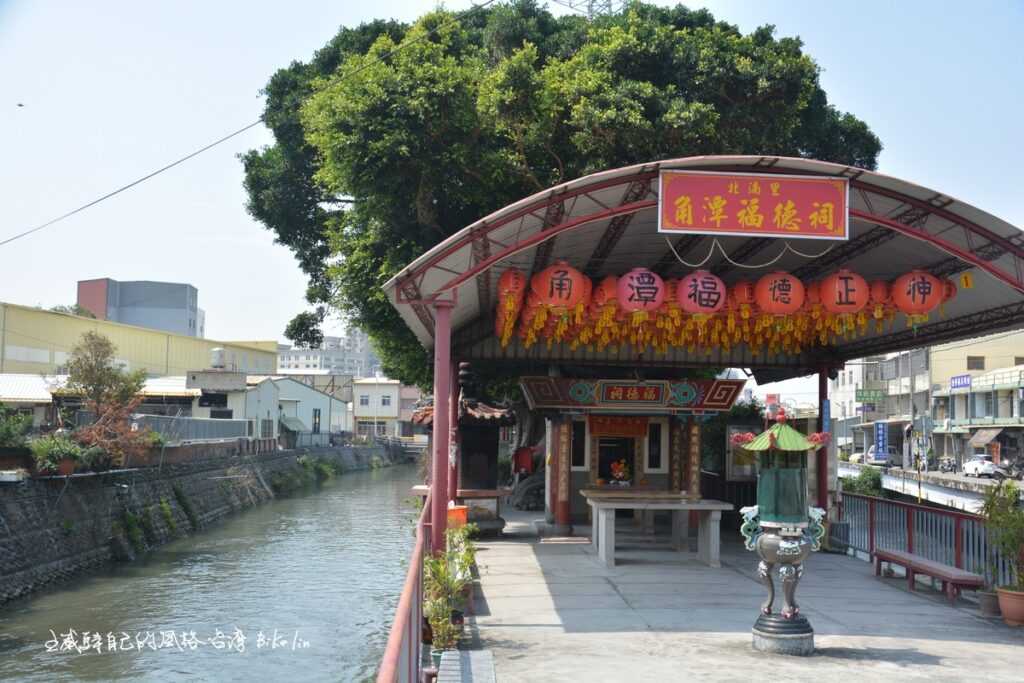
x,y
561,289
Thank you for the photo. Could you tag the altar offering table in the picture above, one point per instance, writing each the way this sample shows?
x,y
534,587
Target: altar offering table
x,y
605,501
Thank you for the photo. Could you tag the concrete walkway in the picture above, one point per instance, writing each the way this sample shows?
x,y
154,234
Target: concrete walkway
x,y
550,612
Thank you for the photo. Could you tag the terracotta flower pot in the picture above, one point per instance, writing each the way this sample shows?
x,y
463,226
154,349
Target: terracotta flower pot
x,y
66,467
1011,604
988,604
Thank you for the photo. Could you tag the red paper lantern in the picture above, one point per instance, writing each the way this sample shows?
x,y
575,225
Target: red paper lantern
x,y
879,293
844,292
700,292
640,290
606,292
949,290
779,293
812,293
512,282
743,292
917,292
559,286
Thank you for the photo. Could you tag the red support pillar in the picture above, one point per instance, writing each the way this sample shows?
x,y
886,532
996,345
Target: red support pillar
x,y
821,455
442,402
453,430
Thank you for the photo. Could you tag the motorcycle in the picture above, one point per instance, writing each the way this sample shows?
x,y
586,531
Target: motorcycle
x,y
1015,469
947,465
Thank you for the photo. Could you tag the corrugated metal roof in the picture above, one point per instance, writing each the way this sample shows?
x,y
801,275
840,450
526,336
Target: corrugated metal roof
x,y
168,386
873,251
19,388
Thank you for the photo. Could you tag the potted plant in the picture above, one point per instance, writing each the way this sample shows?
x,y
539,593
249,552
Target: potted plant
x,y
1004,524
56,453
444,580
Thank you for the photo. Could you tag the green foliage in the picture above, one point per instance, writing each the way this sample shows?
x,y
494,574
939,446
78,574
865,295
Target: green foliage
x,y
13,427
304,329
95,459
146,524
73,309
467,117
93,374
1004,525
156,439
50,449
133,530
867,483
186,506
67,527
165,510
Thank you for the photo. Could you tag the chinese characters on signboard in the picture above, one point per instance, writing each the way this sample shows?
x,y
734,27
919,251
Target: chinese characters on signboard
x,y
869,395
748,204
960,382
881,439
631,393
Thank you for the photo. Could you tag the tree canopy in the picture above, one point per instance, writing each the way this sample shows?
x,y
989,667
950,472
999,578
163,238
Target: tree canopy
x,y
393,136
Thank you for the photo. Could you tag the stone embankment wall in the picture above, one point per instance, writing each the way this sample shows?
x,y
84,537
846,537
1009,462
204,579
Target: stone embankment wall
x,y
53,528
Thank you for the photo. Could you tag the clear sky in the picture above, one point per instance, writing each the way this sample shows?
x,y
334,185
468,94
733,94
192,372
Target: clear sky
x,y
113,90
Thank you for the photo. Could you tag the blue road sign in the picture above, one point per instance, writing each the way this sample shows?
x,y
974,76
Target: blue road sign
x,y
881,439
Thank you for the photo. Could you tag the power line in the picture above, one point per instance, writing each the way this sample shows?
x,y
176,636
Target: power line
x,y
427,34
132,184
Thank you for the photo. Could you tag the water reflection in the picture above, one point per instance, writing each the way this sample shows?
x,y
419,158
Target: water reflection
x,y
324,569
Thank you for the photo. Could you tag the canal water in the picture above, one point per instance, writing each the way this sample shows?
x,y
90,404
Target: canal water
x,y
306,585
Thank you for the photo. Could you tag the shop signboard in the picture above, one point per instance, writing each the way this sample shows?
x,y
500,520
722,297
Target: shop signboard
x,y
747,204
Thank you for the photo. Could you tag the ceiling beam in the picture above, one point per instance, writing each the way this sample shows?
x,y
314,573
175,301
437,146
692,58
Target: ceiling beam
x,y
553,214
745,251
616,228
683,246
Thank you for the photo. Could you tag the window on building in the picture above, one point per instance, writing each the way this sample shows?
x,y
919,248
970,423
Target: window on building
x,y
364,399
266,429
975,362
579,445
385,400
849,377
221,413
1018,360
316,420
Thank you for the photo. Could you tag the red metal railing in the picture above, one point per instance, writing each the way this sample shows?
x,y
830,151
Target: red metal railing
x,y
403,656
947,536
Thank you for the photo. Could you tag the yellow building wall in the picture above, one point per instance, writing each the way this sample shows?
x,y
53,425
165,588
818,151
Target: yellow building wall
x,y
999,350
33,340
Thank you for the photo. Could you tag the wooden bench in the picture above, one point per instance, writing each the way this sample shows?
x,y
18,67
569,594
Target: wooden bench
x,y
952,578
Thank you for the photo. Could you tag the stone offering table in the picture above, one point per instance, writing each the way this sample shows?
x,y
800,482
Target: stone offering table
x,y
605,501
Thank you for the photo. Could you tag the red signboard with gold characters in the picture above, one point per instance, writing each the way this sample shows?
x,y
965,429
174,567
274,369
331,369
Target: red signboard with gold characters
x,y
749,204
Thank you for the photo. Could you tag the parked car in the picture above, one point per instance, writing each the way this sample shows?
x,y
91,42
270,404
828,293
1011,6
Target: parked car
x,y
982,466
890,457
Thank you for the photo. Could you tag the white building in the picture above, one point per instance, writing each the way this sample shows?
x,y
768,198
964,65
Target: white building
x,y
375,404
350,354
306,413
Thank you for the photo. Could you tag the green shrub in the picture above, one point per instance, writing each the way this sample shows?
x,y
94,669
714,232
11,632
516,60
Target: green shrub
x,y
186,506
156,439
95,459
146,524
867,483
13,427
165,510
49,450
133,530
